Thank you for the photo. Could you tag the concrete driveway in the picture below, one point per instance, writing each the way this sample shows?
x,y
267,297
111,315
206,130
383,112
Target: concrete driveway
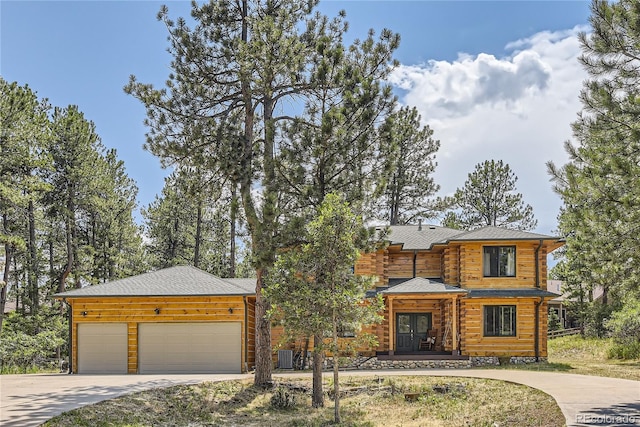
x,y
29,400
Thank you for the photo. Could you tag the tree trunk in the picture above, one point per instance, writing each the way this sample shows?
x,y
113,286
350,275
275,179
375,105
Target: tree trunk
x,y
317,401
8,254
232,231
67,268
264,362
32,272
336,384
196,251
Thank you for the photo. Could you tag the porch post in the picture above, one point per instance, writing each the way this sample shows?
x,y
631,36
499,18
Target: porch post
x,y
392,327
454,323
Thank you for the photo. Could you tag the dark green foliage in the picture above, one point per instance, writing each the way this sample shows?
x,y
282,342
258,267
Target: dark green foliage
x,y
410,163
625,330
227,107
32,341
554,321
313,290
489,198
189,224
600,186
67,217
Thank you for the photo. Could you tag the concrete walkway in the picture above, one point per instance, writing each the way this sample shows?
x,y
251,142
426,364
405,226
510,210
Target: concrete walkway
x,y
29,400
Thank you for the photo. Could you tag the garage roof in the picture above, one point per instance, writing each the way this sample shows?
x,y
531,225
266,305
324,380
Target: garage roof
x,y
172,281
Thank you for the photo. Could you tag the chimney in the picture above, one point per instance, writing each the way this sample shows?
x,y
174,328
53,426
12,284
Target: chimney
x,y
420,225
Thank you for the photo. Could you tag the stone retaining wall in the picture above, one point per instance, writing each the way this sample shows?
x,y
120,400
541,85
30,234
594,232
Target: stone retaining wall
x,y
373,363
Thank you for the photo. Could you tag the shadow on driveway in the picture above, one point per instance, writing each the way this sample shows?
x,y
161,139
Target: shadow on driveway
x,y
30,400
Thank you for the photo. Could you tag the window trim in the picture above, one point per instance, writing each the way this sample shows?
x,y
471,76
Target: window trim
x,y
497,267
498,326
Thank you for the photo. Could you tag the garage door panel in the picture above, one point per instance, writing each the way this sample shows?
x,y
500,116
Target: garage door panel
x,y
102,348
189,347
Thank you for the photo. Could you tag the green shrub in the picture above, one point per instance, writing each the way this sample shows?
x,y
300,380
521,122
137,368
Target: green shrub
x,y
624,326
28,343
554,321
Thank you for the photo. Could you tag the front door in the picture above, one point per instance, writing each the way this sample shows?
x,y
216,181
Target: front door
x,y
410,329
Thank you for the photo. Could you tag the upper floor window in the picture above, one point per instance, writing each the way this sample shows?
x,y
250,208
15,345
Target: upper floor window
x,y
499,261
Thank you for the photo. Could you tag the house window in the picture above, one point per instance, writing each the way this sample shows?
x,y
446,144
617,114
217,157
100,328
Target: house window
x,y
499,261
499,320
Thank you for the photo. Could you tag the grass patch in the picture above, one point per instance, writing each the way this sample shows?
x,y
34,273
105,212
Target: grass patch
x,y
589,356
586,356
367,401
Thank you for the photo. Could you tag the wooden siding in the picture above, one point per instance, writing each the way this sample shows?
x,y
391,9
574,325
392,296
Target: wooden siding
x,y
450,265
471,268
134,310
251,332
374,264
474,343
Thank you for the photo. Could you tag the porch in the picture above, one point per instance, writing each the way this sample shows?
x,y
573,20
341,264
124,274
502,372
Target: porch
x,y
422,321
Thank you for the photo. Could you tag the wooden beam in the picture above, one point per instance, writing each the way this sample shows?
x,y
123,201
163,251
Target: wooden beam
x,y
454,322
392,327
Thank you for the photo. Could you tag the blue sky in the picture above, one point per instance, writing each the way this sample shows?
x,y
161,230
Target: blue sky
x,y
495,80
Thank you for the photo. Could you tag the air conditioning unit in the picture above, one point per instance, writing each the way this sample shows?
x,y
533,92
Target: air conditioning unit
x,y
285,359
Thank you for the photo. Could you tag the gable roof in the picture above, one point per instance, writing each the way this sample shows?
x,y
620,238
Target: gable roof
x,y
172,281
510,293
420,285
413,237
498,233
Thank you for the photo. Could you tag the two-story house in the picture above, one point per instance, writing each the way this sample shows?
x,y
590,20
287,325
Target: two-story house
x,y
481,293
450,296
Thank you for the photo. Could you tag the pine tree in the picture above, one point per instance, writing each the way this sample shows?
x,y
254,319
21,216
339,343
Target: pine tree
x,y
489,198
409,192
600,186
24,138
225,106
314,290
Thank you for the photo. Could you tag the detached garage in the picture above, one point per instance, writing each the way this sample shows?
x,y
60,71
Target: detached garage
x,y
176,320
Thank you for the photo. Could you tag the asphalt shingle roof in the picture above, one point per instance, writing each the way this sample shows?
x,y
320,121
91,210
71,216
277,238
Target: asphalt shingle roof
x,y
420,285
173,281
499,233
413,237
248,285
510,293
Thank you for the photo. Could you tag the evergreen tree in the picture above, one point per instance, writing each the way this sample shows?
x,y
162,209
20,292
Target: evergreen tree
x,y
314,291
225,106
600,186
24,138
189,225
489,198
410,187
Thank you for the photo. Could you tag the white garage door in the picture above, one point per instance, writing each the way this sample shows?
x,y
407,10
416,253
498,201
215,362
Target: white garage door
x,y
189,347
102,348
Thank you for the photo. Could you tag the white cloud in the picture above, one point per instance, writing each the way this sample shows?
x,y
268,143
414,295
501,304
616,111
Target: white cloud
x,y
517,108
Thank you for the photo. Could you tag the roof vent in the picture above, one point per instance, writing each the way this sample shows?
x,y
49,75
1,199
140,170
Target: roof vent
x,y
419,225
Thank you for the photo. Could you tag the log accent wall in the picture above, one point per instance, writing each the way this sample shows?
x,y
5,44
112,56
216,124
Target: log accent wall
x,y
134,310
251,332
374,264
471,266
450,265
474,343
